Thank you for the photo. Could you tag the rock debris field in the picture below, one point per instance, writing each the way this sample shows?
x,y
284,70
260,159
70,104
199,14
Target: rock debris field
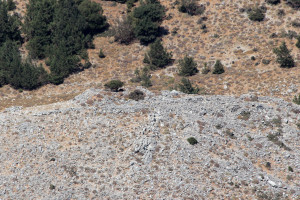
x,y
102,145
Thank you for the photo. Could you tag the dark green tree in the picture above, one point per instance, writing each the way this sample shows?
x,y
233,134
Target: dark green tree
x,y
284,57
147,18
37,27
11,5
187,66
17,73
93,14
218,68
9,25
157,56
186,87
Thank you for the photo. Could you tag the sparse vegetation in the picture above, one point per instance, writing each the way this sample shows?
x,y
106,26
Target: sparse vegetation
x,y
276,141
187,66
192,140
294,3
114,85
290,169
284,57
298,42
296,99
268,165
142,76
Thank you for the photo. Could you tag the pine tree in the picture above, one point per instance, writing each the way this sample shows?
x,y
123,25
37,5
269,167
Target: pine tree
x,y
9,25
157,56
187,66
284,58
93,15
147,18
37,27
218,68
186,87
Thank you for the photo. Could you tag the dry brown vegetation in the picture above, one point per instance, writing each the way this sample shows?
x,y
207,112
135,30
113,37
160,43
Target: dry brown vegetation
x,y
231,38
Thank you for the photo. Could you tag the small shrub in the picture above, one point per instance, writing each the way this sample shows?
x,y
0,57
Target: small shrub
x,y
205,69
298,125
268,165
114,85
250,138
187,66
137,95
273,2
192,140
52,187
230,134
191,7
280,12
265,61
298,42
296,99
219,126
218,68
284,57
256,14
101,54
245,115
186,87
124,33
275,140
290,169
277,121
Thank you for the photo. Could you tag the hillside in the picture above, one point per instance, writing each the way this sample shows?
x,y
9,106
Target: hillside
x,y
230,37
104,146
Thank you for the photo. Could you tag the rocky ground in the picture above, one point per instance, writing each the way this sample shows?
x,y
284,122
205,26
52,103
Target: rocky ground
x,y
102,145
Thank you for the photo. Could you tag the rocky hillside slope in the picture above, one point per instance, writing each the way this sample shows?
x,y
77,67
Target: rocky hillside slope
x,y
242,45
102,145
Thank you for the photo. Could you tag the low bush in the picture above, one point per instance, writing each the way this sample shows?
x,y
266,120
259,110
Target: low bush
x,y
124,32
191,7
256,14
192,140
114,85
137,95
294,3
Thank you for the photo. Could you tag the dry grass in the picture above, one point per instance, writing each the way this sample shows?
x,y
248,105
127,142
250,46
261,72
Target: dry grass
x,y
234,46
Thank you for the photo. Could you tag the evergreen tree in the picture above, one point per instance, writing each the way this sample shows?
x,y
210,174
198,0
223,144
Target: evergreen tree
x,y
62,63
187,66
218,68
9,25
147,18
186,87
11,5
157,56
93,15
37,27
15,72
284,58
